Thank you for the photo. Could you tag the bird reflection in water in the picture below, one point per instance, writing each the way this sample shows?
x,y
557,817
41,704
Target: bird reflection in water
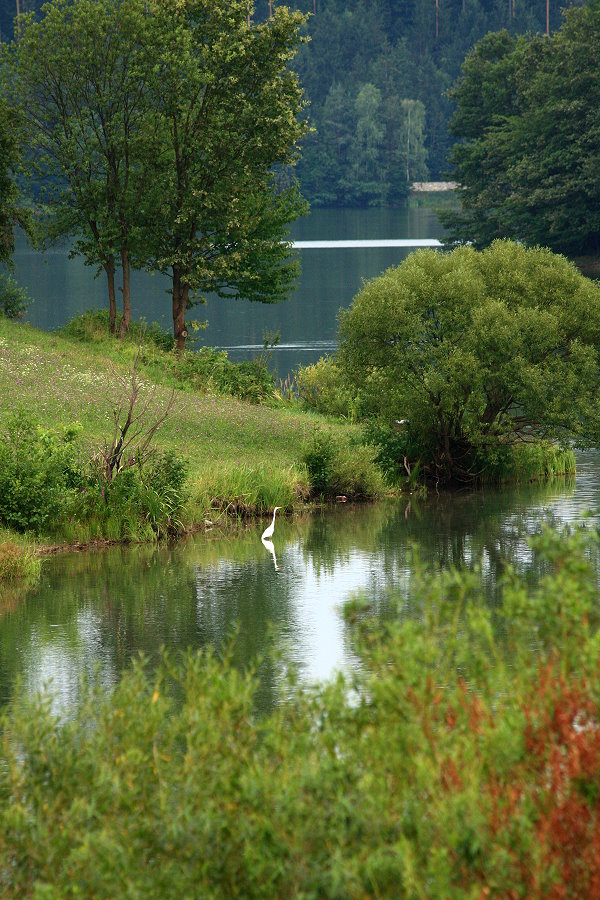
x,y
270,547
266,535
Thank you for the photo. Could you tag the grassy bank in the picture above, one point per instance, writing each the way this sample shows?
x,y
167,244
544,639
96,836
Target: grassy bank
x,y
60,392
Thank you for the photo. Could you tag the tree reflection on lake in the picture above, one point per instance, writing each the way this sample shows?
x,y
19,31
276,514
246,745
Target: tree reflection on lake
x,y
98,610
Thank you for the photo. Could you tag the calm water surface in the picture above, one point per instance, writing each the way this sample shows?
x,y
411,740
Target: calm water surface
x,y
307,322
102,609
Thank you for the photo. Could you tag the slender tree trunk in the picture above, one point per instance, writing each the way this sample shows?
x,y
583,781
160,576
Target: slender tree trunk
x,y
180,299
126,318
109,268
408,148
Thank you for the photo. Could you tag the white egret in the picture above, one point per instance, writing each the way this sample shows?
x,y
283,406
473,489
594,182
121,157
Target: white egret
x,y
268,532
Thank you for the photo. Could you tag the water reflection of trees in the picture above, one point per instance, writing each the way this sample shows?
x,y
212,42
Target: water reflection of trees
x,y
105,608
485,529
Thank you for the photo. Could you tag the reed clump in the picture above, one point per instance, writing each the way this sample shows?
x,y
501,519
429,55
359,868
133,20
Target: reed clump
x,y
18,560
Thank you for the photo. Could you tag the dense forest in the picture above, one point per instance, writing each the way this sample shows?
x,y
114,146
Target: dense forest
x,y
376,75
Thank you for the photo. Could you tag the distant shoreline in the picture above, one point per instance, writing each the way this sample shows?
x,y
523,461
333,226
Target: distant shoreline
x,y
433,187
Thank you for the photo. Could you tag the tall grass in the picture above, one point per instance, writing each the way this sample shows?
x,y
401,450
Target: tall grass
x,y
528,462
18,559
245,490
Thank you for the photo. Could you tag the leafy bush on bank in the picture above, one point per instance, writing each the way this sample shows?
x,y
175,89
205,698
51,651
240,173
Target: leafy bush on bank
x,y
14,300
38,473
322,387
478,350
335,467
395,448
47,486
141,502
454,763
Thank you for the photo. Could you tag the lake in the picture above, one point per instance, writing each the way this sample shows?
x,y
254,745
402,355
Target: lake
x,y
98,610
307,322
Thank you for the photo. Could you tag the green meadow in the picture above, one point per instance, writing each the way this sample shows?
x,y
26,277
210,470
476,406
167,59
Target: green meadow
x,y
236,444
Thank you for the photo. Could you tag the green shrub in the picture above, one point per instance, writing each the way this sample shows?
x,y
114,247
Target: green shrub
x,y
322,387
210,369
453,763
93,326
38,473
14,300
138,502
90,327
356,474
338,468
396,452
318,457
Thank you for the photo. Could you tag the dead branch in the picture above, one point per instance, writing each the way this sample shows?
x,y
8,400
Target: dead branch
x,y
136,420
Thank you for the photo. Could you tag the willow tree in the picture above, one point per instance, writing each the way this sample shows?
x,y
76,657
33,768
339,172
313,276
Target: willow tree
x,y
79,75
229,113
477,352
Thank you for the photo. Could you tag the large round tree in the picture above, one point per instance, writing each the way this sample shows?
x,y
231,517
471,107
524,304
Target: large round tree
x,y
478,351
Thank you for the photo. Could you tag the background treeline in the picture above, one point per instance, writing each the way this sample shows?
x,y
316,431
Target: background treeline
x,y
377,75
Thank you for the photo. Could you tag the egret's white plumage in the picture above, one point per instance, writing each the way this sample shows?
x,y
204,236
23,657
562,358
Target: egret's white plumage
x,y
268,532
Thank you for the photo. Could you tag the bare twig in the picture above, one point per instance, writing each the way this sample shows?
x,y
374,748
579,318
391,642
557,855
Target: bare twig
x,y
132,436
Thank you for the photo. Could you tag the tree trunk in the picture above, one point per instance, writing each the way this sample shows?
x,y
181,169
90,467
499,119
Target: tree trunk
x,y
408,147
180,298
126,318
109,268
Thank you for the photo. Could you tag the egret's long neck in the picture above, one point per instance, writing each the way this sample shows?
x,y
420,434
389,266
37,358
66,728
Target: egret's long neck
x,y
273,522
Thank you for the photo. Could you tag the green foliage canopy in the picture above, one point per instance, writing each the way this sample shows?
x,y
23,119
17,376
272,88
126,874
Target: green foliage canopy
x,y
478,350
80,74
9,213
529,146
229,113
